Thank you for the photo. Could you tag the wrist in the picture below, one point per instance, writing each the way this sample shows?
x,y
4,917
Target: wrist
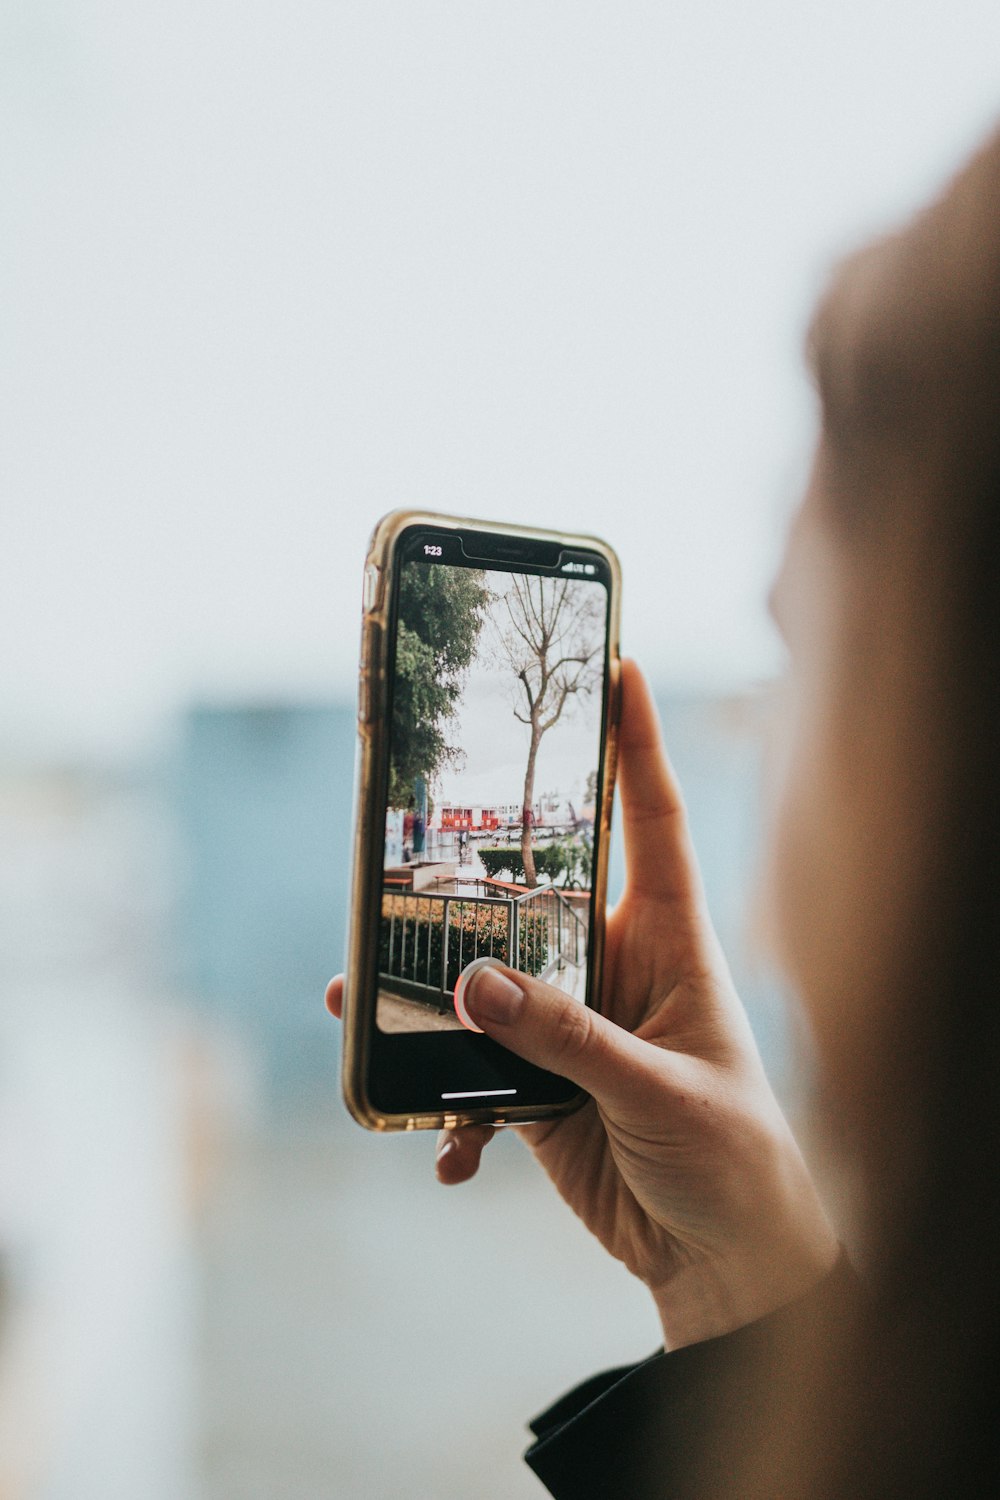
x,y
707,1300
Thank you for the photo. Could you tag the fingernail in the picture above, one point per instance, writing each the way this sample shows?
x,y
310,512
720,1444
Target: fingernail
x,y
445,1148
491,996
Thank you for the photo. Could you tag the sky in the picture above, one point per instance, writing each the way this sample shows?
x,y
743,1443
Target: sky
x,y
269,270
495,743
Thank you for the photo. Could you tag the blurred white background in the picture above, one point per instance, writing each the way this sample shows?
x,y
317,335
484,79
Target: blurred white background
x,y
268,271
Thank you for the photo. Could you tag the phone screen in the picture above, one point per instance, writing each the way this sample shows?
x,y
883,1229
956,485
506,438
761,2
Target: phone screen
x,y
496,715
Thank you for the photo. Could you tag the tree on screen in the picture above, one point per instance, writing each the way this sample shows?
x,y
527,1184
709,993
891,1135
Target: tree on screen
x,y
441,613
551,634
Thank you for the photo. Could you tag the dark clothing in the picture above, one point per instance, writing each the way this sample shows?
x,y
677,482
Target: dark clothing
x,y
640,1431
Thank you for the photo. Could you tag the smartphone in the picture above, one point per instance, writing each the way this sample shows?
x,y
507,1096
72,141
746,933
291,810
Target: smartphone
x,y
487,718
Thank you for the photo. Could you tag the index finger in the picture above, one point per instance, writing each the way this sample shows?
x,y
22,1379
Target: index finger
x,y
335,996
659,857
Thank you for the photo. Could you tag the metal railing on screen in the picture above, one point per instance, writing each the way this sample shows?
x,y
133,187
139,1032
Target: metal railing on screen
x,y
427,938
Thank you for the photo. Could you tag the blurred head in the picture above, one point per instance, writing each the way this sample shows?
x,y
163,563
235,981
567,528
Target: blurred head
x,y
883,868
888,602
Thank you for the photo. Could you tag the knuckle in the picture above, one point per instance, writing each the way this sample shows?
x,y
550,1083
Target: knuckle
x,y
573,1027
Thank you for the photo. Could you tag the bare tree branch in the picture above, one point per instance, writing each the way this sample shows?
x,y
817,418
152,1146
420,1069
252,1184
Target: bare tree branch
x,y
549,637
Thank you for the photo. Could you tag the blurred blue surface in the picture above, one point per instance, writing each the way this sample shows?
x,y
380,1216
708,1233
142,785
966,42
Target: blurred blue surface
x,y
264,810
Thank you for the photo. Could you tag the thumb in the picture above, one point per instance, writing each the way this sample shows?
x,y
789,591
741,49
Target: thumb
x,y
547,1027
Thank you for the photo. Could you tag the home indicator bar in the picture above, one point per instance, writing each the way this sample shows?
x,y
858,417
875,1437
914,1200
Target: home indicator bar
x,y
479,1094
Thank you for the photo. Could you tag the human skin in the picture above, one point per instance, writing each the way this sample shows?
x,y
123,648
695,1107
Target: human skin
x,y
857,746
831,827
681,1162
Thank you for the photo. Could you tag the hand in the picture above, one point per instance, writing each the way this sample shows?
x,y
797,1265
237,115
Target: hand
x,y
681,1162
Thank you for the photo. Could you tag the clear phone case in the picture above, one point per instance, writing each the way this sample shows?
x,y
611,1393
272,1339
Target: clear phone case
x,y
369,817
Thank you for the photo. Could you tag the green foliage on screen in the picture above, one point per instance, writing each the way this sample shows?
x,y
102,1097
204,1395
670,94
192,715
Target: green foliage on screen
x,y
441,612
566,862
